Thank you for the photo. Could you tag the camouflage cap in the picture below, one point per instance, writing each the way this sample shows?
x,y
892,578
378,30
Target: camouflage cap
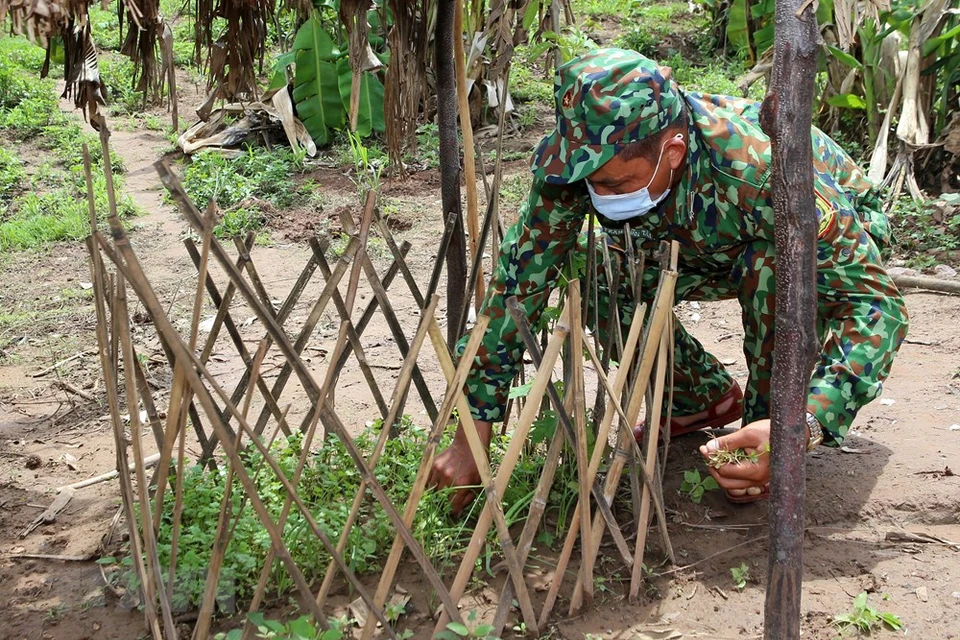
x,y
605,100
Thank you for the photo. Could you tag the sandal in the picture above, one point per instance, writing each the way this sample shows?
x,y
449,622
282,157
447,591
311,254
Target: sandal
x,y
712,420
744,496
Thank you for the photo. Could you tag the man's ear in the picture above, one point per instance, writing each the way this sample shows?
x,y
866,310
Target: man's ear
x,y
675,151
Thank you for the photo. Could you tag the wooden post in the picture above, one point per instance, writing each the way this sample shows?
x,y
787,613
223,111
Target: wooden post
x,y
456,254
786,117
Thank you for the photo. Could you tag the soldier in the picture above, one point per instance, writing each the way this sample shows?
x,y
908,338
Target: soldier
x,y
631,147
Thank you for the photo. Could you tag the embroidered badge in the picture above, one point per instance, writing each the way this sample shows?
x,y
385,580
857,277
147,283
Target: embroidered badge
x,y
826,216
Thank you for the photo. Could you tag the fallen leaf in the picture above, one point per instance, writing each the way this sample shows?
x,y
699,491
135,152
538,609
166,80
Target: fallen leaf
x,y
207,324
922,594
658,634
86,285
70,461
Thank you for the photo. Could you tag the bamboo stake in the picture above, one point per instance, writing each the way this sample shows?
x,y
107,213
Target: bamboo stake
x,y
181,421
177,411
663,306
529,413
469,159
153,572
107,352
603,506
130,267
154,586
538,506
396,402
574,304
633,338
494,503
454,385
643,519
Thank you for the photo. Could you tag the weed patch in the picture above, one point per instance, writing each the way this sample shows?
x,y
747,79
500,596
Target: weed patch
x,y
327,485
924,232
241,185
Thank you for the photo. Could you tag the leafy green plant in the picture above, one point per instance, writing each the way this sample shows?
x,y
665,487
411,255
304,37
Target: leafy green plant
x,y
865,619
457,630
740,575
242,185
302,628
322,84
694,485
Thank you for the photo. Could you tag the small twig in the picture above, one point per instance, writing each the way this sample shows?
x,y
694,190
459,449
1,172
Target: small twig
x,y
712,556
720,592
66,386
57,365
46,556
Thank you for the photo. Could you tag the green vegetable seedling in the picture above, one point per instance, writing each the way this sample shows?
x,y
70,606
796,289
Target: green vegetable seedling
x,y
864,618
741,575
694,486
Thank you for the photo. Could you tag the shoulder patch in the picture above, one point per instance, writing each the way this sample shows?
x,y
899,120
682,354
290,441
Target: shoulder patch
x,y
826,214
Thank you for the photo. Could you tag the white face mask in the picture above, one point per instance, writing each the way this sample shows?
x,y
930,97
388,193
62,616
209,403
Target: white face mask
x,y
623,206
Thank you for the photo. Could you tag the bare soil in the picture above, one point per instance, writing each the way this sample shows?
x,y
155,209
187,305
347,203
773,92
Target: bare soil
x,y
895,475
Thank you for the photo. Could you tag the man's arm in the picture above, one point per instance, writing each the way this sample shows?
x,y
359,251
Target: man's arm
x,y
532,254
862,316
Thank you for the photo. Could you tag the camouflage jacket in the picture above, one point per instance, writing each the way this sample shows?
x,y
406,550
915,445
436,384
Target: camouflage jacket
x,y
722,204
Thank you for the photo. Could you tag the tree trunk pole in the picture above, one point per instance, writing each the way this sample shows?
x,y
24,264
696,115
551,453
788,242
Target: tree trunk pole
x,y
786,116
450,164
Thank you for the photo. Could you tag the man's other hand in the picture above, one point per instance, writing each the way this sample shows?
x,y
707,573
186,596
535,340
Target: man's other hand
x,y
455,467
754,472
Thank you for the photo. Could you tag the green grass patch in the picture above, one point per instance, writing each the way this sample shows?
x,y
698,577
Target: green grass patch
x,y
48,204
924,231
243,186
327,486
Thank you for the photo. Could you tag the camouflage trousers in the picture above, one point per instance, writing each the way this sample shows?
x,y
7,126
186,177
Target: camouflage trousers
x,y
862,321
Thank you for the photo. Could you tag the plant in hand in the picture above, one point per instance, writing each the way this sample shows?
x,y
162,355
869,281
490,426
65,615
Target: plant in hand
x,y
720,457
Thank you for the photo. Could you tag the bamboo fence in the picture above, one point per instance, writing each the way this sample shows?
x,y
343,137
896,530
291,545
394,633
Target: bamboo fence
x,y
226,422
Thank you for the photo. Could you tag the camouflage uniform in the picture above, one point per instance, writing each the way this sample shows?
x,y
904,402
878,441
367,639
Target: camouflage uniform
x,y
721,213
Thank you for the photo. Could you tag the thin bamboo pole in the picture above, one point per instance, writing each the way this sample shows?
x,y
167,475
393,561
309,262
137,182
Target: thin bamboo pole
x,y
574,304
653,427
107,351
396,402
182,419
633,338
454,386
469,151
154,585
529,413
662,306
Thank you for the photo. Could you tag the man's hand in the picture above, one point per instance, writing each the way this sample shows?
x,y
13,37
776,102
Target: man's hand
x,y
755,440
455,467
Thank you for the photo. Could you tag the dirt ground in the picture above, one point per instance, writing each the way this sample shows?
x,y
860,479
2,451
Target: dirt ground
x,y
895,474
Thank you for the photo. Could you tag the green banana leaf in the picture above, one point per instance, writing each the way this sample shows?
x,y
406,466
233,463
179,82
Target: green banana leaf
x,y
315,88
847,101
370,116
